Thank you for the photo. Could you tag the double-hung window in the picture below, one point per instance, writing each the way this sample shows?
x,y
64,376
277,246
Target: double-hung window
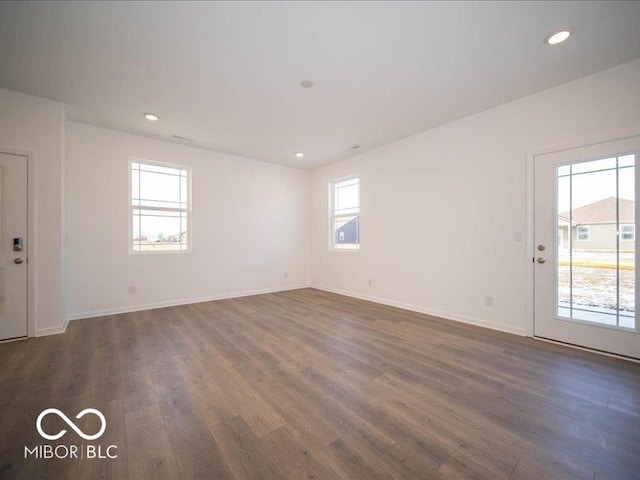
x,y
160,207
344,213
628,232
583,233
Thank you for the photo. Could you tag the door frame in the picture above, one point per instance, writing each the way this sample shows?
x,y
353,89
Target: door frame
x,y
621,134
31,319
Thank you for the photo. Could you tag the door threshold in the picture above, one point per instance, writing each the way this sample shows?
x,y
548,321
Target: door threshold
x,y
586,349
14,339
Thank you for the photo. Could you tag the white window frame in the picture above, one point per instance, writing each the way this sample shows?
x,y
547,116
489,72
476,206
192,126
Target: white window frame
x,y
333,215
633,232
188,210
588,230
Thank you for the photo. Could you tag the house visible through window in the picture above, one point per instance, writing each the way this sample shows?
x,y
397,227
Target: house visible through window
x,y
345,213
628,232
583,233
160,207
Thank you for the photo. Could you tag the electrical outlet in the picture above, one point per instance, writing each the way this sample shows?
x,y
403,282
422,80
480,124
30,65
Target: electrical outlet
x,y
133,289
286,274
488,301
370,282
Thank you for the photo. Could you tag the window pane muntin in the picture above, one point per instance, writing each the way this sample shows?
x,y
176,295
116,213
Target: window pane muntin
x,y
346,196
594,166
159,169
135,185
157,186
160,212
345,208
583,233
144,203
167,210
184,191
626,161
596,280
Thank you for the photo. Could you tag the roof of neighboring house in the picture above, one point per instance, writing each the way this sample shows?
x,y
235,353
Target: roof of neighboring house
x,y
602,211
349,224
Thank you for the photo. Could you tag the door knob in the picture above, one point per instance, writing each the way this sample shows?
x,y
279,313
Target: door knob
x,y
18,260
541,260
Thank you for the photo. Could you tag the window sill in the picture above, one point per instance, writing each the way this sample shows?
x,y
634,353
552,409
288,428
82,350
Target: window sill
x,y
159,252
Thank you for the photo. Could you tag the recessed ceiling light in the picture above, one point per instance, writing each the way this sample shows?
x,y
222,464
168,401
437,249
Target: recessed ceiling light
x,y
151,117
306,84
299,154
558,37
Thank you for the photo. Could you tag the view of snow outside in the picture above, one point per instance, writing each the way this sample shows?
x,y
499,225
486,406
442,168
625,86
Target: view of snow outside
x,y
589,280
594,289
159,197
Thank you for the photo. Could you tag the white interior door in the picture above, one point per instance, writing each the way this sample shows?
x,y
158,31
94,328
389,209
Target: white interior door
x,y
585,237
13,246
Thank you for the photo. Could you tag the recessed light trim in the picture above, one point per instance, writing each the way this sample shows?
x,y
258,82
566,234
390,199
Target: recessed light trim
x,y
558,37
299,155
152,117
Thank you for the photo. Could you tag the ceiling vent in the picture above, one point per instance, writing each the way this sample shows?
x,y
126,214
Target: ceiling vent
x,y
184,139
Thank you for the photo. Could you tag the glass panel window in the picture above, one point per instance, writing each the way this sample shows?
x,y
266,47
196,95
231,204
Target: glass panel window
x,y
596,249
345,213
583,233
160,207
628,232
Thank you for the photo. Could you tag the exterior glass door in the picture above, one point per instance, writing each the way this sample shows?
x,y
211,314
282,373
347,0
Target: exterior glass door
x,y
585,278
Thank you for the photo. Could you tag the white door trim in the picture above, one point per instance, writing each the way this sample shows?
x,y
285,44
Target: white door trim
x,y
31,318
530,207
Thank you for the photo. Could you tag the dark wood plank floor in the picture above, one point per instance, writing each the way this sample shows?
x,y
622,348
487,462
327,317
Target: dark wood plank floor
x,y
308,384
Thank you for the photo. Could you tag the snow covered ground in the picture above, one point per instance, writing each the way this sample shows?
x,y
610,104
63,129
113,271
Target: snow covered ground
x,y
595,289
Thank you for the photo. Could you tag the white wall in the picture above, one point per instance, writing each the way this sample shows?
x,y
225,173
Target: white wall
x,y
439,209
250,224
36,126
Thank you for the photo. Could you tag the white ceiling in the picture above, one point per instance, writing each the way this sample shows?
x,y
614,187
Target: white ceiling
x,y
228,74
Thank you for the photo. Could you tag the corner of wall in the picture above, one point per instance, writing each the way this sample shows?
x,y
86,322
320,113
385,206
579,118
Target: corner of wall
x,y
427,311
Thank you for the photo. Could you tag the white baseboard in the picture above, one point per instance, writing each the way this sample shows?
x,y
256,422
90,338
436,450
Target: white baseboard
x,y
174,303
428,311
43,332
414,308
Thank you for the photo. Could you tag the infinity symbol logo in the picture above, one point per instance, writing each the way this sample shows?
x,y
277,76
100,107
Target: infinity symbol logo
x,y
71,424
